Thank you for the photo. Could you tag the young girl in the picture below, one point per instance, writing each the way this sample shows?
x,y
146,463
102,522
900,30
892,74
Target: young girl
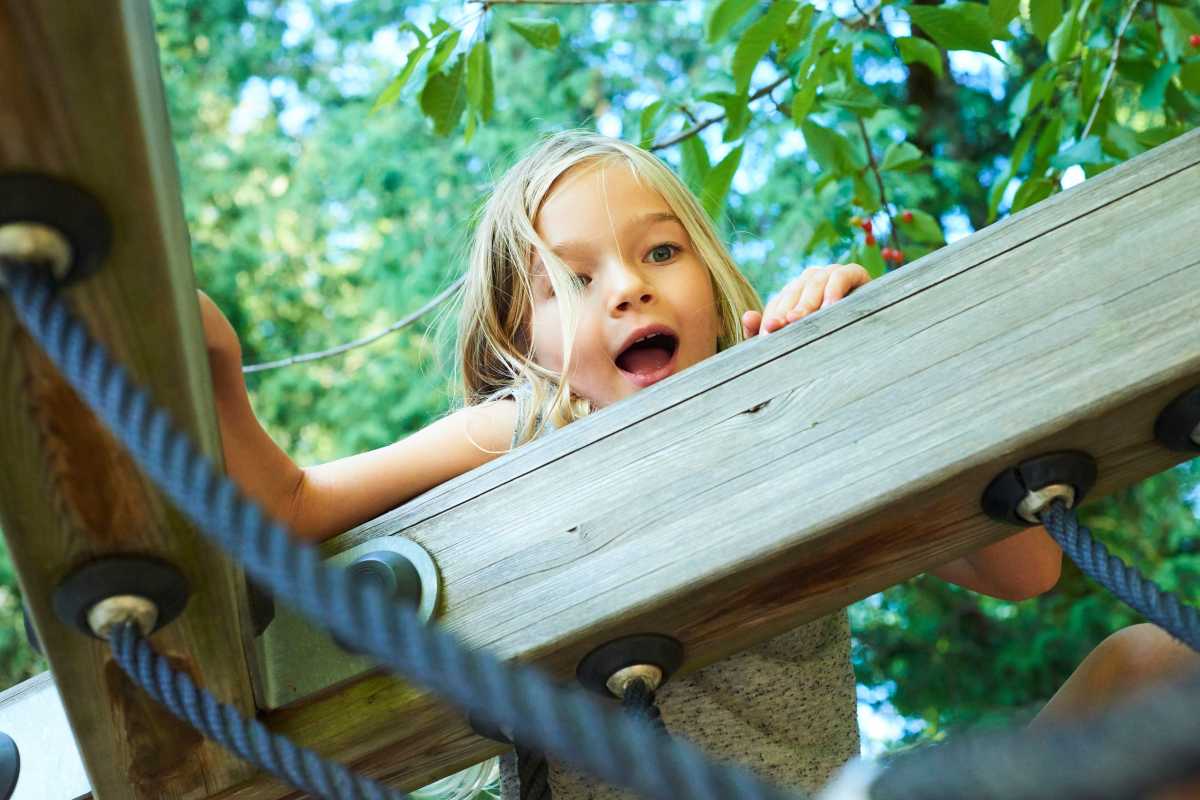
x,y
593,274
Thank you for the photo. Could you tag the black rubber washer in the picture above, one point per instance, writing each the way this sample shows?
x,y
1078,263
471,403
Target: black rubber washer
x,y
30,197
10,766
155,580
598,666
1008,489
1177,422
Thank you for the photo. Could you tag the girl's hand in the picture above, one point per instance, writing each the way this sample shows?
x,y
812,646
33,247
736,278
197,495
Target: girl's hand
x,y
816,288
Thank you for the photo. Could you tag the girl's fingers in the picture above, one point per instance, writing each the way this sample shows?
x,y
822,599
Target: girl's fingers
x,y
773,316
810,299
751,321
845,280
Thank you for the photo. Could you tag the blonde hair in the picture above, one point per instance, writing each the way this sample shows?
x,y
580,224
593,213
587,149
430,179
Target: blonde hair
x,y
494,347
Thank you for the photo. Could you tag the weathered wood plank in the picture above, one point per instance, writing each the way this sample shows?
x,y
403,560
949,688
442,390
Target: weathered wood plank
x,y
696,510
81,98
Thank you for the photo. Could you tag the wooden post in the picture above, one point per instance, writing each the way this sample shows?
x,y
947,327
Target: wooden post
x,y
81,99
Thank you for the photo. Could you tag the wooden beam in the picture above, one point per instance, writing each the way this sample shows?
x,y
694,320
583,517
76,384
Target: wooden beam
x,y
802,471
81,98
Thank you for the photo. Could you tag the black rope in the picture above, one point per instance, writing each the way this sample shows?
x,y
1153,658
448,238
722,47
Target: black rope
x,y
1139,592
567,723
225,725
639,701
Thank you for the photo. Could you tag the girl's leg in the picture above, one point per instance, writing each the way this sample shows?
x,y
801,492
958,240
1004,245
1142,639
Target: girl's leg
x,y
1127,660
1130,659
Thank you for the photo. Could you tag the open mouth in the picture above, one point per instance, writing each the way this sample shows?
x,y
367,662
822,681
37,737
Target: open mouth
x,y
649,359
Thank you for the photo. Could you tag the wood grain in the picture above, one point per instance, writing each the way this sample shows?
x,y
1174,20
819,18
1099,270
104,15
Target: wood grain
x,y
81,99
799,472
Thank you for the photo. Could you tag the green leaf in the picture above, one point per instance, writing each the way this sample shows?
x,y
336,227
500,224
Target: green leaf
x,y
796,29
853,97
444,48
914,49
802,101
1032,191
695,163
962,26
411,27
830,148
923,227
1085,152
718,181
646,122
1064,38
757,40
1178,25
870,258
901,157
1047,143
1002,12
480,90
725,15
1156,87
389,95
443,98
1045,15
737,112
866,189
543,34
1189,76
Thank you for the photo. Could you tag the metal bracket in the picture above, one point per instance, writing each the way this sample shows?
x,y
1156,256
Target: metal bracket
x,y
115,576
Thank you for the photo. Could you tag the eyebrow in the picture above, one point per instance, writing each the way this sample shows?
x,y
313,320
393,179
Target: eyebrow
x,y
566,249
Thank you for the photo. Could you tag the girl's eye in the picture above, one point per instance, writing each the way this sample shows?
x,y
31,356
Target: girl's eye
x,y
662,253
584,279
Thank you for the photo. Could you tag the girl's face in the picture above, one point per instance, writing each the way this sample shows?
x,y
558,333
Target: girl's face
x,y
647,308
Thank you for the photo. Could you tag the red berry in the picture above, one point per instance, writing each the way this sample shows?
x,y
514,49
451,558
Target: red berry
x,y
866,225
907,216
1194,40
887,253
898,256
870,239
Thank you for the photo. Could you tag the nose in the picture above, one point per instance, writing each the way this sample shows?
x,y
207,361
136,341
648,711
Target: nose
x,y
629,289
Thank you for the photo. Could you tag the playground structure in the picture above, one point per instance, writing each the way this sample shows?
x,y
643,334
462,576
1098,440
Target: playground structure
x,y
1046,332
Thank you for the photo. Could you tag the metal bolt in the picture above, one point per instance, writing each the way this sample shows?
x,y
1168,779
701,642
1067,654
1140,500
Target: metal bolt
x,y
121,608
1038,500
649,674
33,242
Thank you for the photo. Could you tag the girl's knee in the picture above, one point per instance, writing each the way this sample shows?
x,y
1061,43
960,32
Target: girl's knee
x,y
1142,652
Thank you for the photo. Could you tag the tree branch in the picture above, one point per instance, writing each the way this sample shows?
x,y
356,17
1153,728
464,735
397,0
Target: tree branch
x,y
1112,65
895,232
333,351
692,131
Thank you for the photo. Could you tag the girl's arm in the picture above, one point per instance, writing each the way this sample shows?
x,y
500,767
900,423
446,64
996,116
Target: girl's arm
x,y
1022,566
324,500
